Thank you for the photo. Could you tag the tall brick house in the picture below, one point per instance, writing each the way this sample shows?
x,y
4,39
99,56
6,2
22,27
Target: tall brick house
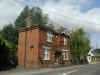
x,y
39,46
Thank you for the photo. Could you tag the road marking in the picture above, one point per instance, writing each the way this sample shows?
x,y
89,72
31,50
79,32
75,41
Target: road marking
x,y
67,73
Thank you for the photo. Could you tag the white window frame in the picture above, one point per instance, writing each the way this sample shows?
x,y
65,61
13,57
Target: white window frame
x,y
65,54
49,37
46,53
65,41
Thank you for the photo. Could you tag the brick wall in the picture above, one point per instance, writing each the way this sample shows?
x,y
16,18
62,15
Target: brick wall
x,y
30,47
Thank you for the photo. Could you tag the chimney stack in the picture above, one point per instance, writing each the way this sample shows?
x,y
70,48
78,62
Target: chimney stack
x,y
29,20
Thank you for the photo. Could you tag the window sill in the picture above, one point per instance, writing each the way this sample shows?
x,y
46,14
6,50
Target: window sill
x,y
49,41
45,59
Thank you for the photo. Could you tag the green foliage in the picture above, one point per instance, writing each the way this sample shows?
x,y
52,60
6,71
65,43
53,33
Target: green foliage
x,y
8,46
9,38
37,17
80,45
21,19
9,33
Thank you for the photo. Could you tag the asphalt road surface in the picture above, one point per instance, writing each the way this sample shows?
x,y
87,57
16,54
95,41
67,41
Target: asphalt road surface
x,y
90,69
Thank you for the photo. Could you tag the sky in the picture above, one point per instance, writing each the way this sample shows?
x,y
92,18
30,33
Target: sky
x,y
68,13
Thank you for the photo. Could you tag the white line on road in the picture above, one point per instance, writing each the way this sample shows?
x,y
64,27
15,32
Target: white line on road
x,y
67,73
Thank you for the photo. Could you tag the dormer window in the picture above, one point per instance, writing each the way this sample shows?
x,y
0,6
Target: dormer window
x,y
49,37
65,41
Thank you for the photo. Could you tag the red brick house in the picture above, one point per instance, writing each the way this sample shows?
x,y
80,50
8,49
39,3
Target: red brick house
x,y
39,46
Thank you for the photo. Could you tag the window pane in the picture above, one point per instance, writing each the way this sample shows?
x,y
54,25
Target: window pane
x,y
65,54
49,37
65,41
46,53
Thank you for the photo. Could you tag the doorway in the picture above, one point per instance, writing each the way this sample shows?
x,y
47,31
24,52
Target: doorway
x,y
58,57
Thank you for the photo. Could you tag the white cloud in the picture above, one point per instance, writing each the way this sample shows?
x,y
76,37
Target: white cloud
x,y
65,12
9,10
69,14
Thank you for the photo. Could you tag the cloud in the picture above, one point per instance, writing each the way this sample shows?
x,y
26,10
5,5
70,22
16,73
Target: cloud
x,y
75,14
70,14
9,10
63,12
95,40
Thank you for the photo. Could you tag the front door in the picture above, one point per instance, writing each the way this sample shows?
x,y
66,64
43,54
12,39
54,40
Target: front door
x,y
58,57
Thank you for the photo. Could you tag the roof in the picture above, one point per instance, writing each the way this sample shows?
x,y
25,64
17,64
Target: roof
x,y
44,28
97,50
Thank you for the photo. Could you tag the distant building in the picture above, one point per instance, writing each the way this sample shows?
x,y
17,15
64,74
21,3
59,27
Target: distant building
x,y
39,46
93,55
97,54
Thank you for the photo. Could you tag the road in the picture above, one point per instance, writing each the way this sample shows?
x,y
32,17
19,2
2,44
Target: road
x,y
90,69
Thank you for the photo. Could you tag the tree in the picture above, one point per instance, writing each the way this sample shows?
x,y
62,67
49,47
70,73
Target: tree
x,y
4,57
80,45
10,38
38,17
20,22
9,33
6,53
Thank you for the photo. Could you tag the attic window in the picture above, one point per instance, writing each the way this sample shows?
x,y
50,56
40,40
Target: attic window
x,y
49,37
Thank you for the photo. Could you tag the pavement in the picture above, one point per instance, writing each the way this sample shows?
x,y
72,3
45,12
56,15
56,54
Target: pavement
x,y
89,69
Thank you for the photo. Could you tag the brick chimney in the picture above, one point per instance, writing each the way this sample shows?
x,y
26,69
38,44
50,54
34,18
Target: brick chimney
x,y
29,20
